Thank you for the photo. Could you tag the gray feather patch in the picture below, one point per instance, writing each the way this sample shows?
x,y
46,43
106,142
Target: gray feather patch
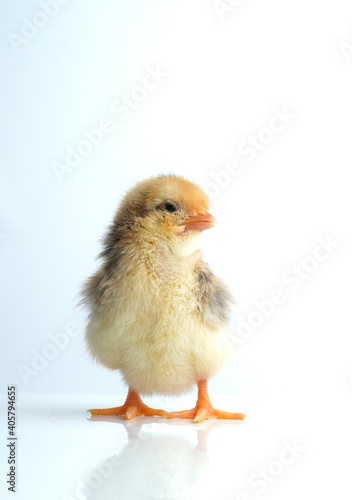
x,y
215,299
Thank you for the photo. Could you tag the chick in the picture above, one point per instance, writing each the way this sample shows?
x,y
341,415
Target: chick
x,y
156,309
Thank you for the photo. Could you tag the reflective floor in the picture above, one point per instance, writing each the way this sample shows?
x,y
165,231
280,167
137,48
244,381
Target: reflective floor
x,y
62,453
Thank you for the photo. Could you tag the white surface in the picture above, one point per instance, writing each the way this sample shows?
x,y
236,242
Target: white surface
x,y
64,456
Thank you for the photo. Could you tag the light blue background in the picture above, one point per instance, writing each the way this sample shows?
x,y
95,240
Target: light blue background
x,y
225,77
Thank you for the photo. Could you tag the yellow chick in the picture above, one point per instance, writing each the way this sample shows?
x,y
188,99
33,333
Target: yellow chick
x,y
156,309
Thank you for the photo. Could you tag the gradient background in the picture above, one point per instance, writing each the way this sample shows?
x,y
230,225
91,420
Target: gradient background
x,y
225,77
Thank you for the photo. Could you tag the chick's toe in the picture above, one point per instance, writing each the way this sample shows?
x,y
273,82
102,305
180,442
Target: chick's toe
x,y
133,407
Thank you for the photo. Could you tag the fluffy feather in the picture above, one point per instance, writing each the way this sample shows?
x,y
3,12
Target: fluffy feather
x,y
156,309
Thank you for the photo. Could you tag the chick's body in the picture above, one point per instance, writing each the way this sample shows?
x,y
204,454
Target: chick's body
x,y
155,333
156,309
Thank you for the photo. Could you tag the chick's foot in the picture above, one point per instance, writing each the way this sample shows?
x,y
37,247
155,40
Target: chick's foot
x,y
133,407
204,409
205,412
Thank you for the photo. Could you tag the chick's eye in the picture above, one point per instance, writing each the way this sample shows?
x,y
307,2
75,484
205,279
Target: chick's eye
x,y
169,207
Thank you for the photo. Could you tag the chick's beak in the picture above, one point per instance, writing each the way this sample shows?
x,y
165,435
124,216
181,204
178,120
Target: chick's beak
x,y
199,223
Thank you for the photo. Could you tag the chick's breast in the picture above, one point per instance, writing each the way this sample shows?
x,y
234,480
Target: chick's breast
x,y
157,319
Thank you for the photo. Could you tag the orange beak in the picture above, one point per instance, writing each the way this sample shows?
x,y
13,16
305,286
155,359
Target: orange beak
x,y
199,223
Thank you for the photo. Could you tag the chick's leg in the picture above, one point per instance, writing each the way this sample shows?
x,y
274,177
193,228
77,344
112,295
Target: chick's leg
x,y
204,409
132,407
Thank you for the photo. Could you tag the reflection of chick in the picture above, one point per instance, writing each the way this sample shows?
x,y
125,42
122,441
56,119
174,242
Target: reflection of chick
x,y
156,309
153,465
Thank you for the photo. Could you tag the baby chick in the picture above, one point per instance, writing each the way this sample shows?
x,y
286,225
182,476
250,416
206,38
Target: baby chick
x,y
156,309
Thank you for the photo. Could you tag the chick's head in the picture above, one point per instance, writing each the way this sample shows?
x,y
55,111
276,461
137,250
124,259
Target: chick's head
x,y
168,210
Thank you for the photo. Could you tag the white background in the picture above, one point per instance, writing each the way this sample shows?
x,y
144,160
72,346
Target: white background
x,y
227,76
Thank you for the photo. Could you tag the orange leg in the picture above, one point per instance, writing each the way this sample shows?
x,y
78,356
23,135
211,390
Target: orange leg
x,y
133,407
204,409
